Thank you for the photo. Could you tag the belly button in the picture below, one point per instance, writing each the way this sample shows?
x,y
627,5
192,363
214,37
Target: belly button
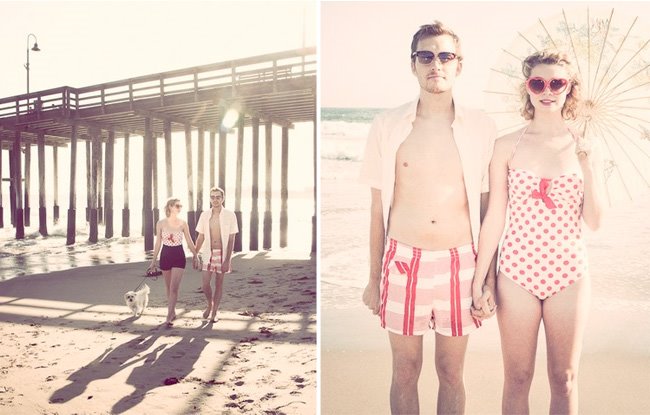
x,y
433,221
405,164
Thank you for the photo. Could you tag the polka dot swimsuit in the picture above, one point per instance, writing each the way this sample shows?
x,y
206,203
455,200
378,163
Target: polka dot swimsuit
x,y
543,250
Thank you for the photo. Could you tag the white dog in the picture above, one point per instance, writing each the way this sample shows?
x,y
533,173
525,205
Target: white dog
x,y
137,300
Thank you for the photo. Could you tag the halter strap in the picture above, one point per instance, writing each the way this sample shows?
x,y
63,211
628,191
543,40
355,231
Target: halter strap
x,y
514,148
516,144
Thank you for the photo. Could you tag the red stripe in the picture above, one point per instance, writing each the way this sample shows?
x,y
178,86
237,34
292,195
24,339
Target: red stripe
x,y
409,303
454,283
390,254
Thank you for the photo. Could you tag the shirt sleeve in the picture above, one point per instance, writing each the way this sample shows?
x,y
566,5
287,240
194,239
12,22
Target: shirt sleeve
x,y
201,223
234,227
371,165
487,157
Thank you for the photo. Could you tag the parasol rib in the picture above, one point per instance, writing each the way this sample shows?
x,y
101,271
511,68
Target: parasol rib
x,y
575,54
602,50
605,92
611,94
548,34
506,74
616,164
613,59
529,42
630,158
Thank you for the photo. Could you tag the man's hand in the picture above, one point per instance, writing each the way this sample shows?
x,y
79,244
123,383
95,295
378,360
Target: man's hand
x,y
225,266
371,296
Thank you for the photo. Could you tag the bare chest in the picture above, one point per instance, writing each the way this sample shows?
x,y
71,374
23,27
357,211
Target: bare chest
x,y
428,151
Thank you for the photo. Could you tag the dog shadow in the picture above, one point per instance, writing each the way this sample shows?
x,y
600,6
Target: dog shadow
x,y
107,364
171,366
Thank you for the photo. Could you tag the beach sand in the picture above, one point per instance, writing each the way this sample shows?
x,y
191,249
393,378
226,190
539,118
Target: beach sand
x,y
70,345
355,353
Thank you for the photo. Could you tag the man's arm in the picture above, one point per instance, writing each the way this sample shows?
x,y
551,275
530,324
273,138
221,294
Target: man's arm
x,y
225,265
377,241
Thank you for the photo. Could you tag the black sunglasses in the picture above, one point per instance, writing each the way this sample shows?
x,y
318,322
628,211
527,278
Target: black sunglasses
x,y
425,57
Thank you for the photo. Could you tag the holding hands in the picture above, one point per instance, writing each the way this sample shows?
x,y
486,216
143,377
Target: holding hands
x,y
483,301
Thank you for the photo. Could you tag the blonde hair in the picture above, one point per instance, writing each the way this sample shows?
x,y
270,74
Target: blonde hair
x,y
170,203
434,29
551,57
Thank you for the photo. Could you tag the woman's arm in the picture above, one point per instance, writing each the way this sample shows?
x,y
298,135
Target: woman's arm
x,y
188,238
591,163
158,244
495,217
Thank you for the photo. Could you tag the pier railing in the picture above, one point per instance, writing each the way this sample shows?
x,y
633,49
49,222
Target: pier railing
x,y
68,101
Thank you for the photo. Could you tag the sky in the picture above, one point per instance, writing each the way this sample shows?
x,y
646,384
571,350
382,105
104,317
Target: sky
x,y
89,42
365,46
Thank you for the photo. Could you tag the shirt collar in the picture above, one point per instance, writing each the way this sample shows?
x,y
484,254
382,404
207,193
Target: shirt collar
x,y
410,110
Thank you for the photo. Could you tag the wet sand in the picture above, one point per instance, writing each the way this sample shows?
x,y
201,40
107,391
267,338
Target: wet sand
x,y
70,334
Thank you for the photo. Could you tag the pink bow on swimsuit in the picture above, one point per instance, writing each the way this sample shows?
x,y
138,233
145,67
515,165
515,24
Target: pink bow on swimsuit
x,y
544,186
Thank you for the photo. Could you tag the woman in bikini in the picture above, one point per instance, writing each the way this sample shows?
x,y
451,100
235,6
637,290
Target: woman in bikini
x,y
169,234
549,179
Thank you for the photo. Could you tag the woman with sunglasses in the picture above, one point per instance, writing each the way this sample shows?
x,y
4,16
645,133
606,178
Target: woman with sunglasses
x,y
549,181
169,234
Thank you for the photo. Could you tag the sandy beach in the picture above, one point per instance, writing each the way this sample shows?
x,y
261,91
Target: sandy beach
x,y
355,353
70,345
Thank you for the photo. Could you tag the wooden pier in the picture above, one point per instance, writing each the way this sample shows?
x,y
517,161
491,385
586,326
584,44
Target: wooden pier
x,y
276,89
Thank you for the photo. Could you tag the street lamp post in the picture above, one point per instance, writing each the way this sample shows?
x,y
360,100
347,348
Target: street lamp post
x,y
35,49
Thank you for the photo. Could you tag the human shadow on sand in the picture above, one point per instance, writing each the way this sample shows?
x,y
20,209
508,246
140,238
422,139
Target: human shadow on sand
x,y
171,366
107,364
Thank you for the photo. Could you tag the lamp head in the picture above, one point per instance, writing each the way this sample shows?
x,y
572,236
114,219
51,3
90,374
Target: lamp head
x,y
35,48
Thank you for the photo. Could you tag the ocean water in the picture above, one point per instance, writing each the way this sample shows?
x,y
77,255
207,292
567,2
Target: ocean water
x,y
618,251
344,132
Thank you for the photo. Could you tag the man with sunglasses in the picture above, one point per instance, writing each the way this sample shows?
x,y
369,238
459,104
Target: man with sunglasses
x,y
427,165
217,227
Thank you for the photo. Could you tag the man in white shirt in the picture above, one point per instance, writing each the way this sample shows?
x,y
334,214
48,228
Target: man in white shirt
x,y
427,165
217,227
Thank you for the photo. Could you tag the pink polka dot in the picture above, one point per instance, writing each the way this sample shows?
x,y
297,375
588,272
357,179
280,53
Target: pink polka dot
x,y
557,282
514,277
529,279
542,281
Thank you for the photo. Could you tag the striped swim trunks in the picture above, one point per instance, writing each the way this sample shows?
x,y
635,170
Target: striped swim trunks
x,y
423,290
214,264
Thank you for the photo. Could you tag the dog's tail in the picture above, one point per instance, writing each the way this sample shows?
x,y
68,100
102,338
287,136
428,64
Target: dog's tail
x,y
145,288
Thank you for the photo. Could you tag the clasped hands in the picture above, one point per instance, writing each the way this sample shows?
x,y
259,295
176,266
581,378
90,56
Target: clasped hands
x,y
483,301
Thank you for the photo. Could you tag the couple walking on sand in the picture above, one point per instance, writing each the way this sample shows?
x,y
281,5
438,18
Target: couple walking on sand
x,y
441,187
216,228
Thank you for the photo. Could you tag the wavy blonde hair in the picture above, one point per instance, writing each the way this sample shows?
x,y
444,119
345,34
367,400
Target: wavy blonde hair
x,y
551,57
168,206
